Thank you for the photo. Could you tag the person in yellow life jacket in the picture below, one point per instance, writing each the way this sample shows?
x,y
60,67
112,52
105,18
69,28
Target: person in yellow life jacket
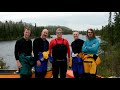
x,y
90,57
40,51
77,62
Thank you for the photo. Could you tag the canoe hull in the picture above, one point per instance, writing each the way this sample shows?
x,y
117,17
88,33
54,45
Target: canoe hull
x,y
13,74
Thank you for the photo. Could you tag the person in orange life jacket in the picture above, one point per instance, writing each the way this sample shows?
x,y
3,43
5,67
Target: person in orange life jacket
x,y
91,46
23,45
58,49
41,45
77,62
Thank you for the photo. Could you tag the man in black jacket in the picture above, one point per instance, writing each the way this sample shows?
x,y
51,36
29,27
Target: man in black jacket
x,y
40,47
77,63
23,46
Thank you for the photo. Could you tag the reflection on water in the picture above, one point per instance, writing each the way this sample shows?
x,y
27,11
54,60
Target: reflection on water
x,y
7,50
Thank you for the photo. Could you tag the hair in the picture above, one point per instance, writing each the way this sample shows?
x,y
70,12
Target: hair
x,y
92,32
59,29
28,28
44,29
76,31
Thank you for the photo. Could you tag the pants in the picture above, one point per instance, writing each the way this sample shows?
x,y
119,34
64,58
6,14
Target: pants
x,y
88,75
25,76
40,74
77,75
59,66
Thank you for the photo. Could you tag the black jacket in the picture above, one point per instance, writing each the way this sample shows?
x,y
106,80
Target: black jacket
x,y
39,46
77,46
23,46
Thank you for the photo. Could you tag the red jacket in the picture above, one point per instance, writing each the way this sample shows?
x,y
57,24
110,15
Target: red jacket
x,y
59,41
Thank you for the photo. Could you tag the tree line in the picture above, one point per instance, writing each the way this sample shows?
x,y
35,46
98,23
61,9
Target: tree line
x,y
110,65
10,30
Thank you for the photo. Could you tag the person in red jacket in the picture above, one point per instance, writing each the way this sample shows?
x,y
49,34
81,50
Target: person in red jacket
x,y
59,49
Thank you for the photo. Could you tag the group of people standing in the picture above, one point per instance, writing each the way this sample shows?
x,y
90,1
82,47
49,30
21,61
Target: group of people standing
x,y
57,51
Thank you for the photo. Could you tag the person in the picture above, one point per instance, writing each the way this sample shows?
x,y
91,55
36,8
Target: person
x,y
91,58
77,62
23,54
59,49
40,51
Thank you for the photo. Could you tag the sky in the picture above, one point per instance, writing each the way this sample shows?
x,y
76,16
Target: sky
x,y
74,20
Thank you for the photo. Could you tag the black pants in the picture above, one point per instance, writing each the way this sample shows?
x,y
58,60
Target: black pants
x,y
40,74
59,66
77,75
25,76
88,75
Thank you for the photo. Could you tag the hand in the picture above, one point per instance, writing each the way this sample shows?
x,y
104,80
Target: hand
x,y
38,63
74,54
18,64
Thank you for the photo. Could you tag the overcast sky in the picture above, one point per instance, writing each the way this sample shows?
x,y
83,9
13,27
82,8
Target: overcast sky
x,y
74,20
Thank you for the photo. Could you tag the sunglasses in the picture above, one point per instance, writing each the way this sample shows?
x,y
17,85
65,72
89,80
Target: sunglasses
x,y
58,32
90,32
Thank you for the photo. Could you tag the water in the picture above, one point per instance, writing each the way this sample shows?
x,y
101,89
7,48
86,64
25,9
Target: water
x,y
7,50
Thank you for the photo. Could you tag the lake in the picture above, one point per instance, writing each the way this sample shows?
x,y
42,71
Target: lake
x,y
7,50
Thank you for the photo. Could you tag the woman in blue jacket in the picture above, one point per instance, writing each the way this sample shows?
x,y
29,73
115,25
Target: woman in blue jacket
x,y
91,46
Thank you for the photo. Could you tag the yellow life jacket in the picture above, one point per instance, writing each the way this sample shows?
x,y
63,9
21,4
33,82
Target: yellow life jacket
x,y
89,63
45,54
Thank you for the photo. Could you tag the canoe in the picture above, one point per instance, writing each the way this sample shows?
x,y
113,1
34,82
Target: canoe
x,y
69,74
15,74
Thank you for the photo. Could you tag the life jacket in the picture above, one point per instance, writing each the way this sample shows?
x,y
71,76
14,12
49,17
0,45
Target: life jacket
x,y
77,65
40,55
90,62
43,55
27,64
59,51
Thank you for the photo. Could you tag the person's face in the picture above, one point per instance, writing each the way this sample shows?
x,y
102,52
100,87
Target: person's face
x,y
45,34
76,35
27,33
59,34
90,34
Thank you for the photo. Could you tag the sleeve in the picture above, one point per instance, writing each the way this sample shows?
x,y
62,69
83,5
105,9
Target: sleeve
x,y
68,49
72,47
31,47
50,47
35,50
16,50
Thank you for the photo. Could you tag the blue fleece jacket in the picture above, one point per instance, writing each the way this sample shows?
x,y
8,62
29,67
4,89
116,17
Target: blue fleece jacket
x,y
91,46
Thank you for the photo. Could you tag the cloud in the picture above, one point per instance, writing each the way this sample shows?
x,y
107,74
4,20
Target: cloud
x,y
73,20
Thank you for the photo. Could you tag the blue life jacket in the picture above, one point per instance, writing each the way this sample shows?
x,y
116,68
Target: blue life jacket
x,y
40,56
77,65
44,62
